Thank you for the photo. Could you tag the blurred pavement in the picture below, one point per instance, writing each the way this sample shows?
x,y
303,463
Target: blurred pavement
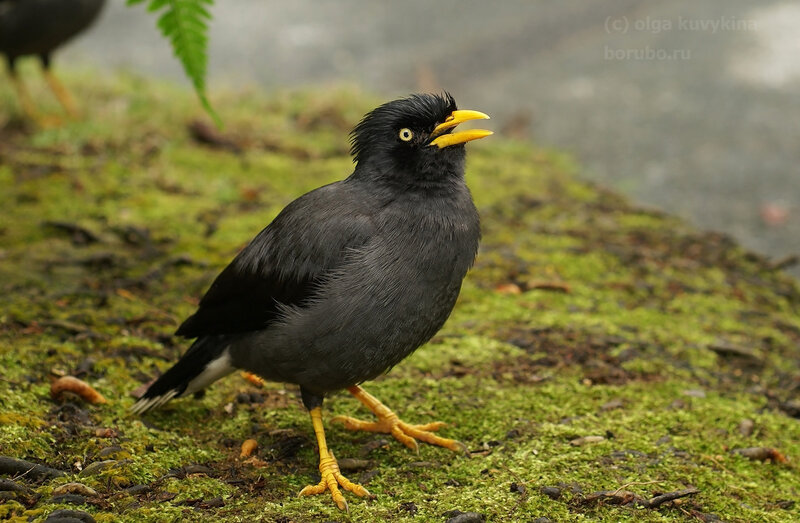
x,y
689,106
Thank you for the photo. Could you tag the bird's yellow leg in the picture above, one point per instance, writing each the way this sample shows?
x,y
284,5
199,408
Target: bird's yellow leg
x,y
25,99
389,423
61,93
332,478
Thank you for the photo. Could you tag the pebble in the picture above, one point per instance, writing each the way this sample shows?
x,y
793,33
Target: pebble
x,y
456,516
197,469
113,451
353,464
611,405
97,466
368,447
6,485
551,492
69,516
746,427
586,440
137,489
695,393
75,488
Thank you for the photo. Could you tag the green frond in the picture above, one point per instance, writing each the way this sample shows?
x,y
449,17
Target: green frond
x,y
185,24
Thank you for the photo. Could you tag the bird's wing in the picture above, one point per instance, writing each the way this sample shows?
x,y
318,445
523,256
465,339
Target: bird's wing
x,y
283,265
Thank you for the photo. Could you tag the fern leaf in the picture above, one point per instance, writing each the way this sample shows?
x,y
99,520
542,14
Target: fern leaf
x,y
185,24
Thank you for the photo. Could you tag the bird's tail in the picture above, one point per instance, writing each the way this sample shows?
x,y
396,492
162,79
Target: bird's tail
x,y
206,361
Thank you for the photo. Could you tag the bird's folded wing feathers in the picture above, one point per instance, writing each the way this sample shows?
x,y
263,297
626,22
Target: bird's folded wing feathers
x,y
283,265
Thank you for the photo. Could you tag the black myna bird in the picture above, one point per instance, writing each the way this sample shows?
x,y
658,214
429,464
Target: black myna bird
x,y
349,279
38,27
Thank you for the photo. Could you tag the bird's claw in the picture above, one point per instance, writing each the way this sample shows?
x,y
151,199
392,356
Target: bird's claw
x,y
403,432
331,480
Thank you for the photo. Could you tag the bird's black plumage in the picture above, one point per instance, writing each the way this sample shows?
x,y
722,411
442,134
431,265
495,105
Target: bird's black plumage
x,y
348,279
284,264
38,27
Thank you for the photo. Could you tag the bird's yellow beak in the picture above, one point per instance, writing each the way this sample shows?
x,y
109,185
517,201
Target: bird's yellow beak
x,y
455,118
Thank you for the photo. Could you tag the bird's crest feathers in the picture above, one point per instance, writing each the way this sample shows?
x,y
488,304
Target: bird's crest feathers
x,y
422,111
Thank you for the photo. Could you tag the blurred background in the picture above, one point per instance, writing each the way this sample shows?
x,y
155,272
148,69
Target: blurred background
x,y
691,107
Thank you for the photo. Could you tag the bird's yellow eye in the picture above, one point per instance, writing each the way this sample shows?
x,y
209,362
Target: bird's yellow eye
x,y
405,134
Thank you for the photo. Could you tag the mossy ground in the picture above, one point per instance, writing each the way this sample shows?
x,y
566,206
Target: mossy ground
x,y
628,325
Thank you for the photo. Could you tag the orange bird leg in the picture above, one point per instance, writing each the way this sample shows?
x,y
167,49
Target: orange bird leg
x,y
332,478
24,98
61,93
389,423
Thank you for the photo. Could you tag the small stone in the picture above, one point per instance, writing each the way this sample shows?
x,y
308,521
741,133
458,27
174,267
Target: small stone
x,y
746,427
542,520
695,393
370,446
257,398
465,517
586,440
69,516
678,405
243,397
551,492
517,488
611,405
214,503
137,489
97,467
75,488
367,476
791,407
761,454
113,451
6,485
354,464
197,469
106,433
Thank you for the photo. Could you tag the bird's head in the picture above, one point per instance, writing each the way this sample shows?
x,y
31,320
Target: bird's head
x,y
413,140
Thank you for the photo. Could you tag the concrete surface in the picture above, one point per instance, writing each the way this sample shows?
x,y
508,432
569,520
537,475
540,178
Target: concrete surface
x,y
689,106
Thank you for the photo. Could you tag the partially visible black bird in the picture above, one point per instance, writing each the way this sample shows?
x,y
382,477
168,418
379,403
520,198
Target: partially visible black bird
x,y
38,27
348,279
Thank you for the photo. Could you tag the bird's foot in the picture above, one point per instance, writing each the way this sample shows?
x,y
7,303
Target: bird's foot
x,y
389,423
331,480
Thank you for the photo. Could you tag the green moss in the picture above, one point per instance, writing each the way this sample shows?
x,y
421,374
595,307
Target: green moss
x,y
516,376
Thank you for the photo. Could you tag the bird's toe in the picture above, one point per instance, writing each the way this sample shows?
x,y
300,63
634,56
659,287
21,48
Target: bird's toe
x,y
357,424
331,480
